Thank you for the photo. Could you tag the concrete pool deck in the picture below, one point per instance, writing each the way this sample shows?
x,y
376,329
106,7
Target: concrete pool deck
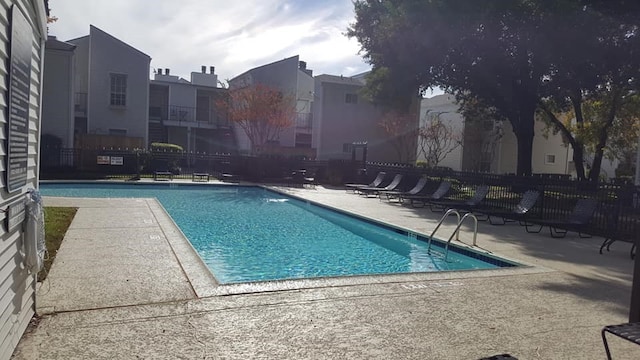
x,y
127,285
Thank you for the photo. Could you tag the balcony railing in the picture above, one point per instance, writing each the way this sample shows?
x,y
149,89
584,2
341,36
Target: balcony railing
x,y
187,115
304,120
80,103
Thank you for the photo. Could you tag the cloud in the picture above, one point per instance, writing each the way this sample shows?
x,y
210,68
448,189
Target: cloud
x,y
182,35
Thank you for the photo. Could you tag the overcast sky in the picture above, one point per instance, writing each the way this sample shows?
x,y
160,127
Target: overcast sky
x,y
233,36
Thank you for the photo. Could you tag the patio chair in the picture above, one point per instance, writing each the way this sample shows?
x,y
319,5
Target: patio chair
x,y
438,194
468,205
376,182
393,185
627,331
396,194
577,220
518,213
615,232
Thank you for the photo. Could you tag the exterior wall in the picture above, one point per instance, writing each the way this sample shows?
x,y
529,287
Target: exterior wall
x,y
447,108
337,123
282,75
58,94
81,66
16,283
108,55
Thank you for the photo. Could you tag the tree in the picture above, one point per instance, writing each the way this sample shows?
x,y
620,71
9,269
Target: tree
x,y
508,56
474,49
402,128
261,111
437,139
589,93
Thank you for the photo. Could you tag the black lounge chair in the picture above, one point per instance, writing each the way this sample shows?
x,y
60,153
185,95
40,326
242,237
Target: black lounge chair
x,y
519,213
366,191
440,193
577,221
468,205
395,194
376,182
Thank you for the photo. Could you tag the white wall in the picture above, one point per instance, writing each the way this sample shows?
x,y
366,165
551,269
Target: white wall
x,y
109,55
337,123
16,284
447,108
58,91
282,75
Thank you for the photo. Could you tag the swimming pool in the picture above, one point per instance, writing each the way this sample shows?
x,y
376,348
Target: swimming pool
x,y
246,234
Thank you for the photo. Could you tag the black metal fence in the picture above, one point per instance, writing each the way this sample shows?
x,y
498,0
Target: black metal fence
x,y
618,214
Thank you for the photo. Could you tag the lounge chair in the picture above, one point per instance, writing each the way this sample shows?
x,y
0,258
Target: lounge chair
x,y
577,221
440,193
376,182
614,232
374,190
395,194
518,213
468,205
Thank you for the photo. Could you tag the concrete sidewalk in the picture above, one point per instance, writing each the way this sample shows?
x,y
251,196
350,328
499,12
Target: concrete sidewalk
x,y
127,285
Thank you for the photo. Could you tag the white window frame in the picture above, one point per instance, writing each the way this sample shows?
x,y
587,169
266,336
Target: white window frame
x,y
550,159
118,90
351,98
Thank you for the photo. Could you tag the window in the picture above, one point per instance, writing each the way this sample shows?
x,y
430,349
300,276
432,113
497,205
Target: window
x,y
118,90
351,98
549,159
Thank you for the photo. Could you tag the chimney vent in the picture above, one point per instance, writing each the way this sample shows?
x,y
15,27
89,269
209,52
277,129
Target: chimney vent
x,y
166,71
203,69
212,69
159,71
303,65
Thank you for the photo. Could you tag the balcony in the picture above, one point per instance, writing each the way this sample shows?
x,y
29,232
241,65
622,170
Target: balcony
x,y
304,121
175,115
80,104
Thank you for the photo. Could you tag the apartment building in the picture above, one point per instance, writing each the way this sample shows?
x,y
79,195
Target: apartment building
x,y
184,112
291,77
111,85
343,118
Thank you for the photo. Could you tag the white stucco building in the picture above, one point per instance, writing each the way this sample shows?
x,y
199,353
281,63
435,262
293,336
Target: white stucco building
x,y
291,77
342,117
58,91
111,84
184,112
492,146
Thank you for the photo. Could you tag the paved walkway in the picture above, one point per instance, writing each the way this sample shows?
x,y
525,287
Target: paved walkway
x,y
127,285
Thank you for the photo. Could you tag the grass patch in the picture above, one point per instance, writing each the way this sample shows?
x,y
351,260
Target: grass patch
x,y
56,223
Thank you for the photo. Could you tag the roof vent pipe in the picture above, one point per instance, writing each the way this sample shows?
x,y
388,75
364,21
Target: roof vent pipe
x,y
212,69
204,69
166,71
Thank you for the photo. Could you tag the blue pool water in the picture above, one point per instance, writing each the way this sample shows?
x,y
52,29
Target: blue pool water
x,y
253,234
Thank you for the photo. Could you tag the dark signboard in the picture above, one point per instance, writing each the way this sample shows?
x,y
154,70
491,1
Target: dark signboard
x,y
19,83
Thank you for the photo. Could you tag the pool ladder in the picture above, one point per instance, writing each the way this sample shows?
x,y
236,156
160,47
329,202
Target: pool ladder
x,y
456,232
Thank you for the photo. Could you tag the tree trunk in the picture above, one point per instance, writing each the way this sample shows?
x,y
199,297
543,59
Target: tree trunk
x,y
578,146
525,152
594,174
578,161
523,126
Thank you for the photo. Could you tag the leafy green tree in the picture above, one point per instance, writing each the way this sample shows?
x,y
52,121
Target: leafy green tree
x,y
509,57
482,50
591,90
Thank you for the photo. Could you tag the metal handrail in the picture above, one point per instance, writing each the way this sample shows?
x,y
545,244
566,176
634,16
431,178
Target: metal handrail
x,y
475,233
447,213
